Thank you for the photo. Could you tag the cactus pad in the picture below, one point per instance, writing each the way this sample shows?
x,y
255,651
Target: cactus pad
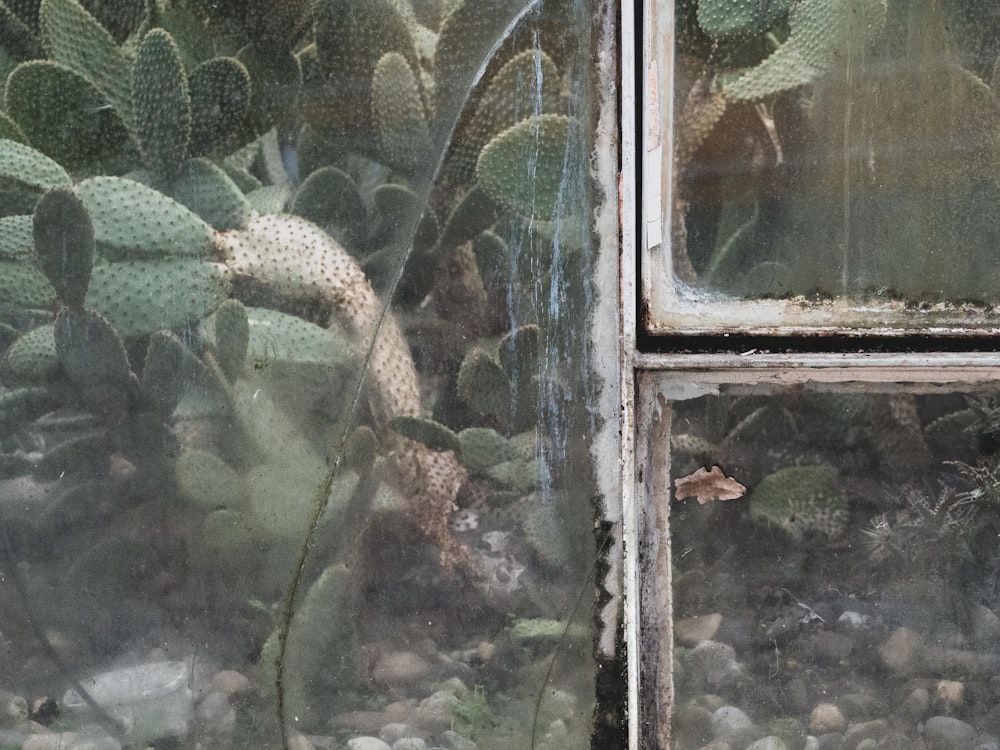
x,y
140,297
133,221
820,33
483,385
524,168
93,357
32,358
76,39
482,448
162,104
16,238
210,193
737,17
64,244
220,101
435,436
398,112
209,482
802,500
24,287
232,337
25,169
64,115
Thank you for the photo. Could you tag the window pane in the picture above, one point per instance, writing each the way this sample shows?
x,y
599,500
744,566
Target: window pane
x,y
297,402
839,154
834,563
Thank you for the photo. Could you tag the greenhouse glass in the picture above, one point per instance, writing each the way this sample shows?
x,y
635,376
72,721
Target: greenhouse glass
x,y
299,403
830,573
834,161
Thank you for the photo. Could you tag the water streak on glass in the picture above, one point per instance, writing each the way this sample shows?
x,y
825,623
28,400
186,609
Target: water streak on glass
x,y
295,405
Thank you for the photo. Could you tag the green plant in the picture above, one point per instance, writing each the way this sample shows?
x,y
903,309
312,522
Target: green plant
x,y
217,236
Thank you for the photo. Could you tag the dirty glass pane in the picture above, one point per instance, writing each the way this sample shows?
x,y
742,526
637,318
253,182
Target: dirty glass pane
x,y
834,150
296,397
835,567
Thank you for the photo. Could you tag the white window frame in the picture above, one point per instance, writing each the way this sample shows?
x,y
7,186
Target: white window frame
x,y
653,305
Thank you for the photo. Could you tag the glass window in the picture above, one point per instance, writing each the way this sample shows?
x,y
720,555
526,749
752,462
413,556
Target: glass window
x,y
810,518
829,573
299,395
834,162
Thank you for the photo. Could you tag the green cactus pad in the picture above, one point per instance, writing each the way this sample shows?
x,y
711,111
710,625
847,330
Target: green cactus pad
x,y
270,199
524,446
162,104
329,198
524,167
529,83
16,37
469,34
23,405
546,533
31,359
64,244
275,85
93,356
232,337
23,168
210,193
23,286
220,100
519,352
140,297
361,450
64,115
121,17
133,221
322,651
483,384
399,228
482,448
351,37
277,338
81,456
283,497
10,130
802,500
230,535
493,258
76,39
517,473
169,371
820,33
737,17
475,213
17,240
209,482
432,434
403,136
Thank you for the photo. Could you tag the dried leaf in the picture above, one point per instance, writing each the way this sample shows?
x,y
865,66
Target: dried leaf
x,y
708,485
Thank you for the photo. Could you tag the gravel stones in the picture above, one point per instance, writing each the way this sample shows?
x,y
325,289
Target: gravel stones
x,y
947,733
826,718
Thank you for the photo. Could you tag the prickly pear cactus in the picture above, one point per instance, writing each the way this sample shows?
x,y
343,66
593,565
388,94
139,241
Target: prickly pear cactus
x,y
269,303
